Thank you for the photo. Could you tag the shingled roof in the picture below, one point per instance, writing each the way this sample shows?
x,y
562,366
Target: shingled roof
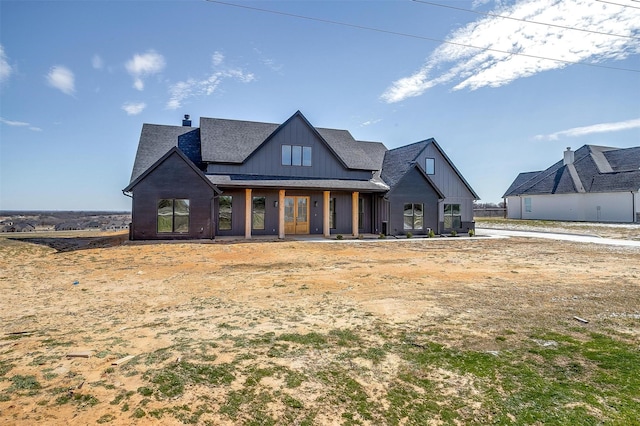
x,y
398,161
594,169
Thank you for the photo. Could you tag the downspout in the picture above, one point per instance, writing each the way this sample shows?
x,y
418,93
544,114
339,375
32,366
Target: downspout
x,y
131,224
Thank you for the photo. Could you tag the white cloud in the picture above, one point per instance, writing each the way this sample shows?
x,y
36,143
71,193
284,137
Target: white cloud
x,y
62,78
217,59
97,62
595,128
134,108
370,122
140,66
19,124
183,90
472,68
5,68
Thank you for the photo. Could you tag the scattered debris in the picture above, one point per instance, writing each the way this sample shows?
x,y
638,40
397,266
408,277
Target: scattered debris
x,y
546,343
76,282
80,354
123,360
582,320
494,353
18,333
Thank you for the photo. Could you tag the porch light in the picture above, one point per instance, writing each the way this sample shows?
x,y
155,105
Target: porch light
x,y
275,203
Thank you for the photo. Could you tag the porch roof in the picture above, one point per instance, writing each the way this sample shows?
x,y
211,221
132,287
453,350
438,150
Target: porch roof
x,y
373,185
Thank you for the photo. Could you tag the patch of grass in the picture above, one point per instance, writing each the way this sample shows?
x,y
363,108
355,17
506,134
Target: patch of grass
x,y
106,418
313,339
5,367
171,380
121,396
24,383
344,337
347,392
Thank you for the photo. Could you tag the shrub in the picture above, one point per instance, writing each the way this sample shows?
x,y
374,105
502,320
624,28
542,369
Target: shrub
x,y
339,237
454,233
472,232
431,233
409,235
382,236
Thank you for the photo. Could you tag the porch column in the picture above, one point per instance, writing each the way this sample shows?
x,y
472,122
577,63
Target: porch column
x,y
354,213
281,214
326,230
248,203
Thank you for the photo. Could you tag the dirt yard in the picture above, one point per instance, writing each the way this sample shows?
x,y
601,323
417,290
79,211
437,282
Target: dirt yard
x,y
341,332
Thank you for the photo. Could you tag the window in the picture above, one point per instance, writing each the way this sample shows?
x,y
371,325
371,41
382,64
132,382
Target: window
x,y
258,209
527,205
430,166
332,213
413,216
360,213
173,216
296,155
452,217
225,204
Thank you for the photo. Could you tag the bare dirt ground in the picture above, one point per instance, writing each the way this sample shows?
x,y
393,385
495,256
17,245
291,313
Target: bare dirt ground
x,y
256,332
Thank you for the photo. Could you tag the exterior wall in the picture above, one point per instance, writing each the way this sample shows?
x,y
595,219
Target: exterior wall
x,y
448,182
412,188
172,179
266,161
466,214
589,207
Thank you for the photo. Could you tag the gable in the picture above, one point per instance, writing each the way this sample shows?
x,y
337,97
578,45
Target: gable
x,y
414,183
446,178
173,170
234,142
155,141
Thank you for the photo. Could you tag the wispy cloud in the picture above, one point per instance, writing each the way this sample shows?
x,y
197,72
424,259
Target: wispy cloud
x,y
595,128
370,122
5,68
97,62
183,90
134,108
140,66
19,124
471,68
61,78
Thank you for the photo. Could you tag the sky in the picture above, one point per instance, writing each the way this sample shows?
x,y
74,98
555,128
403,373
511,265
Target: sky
x,y
503,86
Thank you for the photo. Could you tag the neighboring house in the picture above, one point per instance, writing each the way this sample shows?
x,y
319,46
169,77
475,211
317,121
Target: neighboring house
x,y
594,184
242,178
69,226
17,227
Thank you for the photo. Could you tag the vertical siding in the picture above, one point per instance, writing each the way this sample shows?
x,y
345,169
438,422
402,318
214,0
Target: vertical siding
x,y
266,161
449,183
412,188
172,179
590,207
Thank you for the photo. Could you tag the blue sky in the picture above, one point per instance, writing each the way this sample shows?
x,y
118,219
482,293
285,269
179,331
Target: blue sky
x,y
78,80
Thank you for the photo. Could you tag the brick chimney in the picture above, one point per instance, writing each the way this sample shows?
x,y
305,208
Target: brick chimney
x,y
568,156
186,122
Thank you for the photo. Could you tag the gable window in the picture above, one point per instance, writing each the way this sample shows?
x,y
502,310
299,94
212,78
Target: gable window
x,y
258,210
527,205
225,204
452,218
173,216
430,166
413,216
296,155
332,213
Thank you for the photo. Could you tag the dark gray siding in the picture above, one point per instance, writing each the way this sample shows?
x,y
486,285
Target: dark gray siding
x,y
449,183
266,161
172,179
412,188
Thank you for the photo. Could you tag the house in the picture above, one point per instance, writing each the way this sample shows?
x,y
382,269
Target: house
x,y
243,178
593,183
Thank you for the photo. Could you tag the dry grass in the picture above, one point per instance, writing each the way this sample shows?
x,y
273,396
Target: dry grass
x,y
379,332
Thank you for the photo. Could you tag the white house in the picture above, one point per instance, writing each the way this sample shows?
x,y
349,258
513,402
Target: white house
x,y
592,184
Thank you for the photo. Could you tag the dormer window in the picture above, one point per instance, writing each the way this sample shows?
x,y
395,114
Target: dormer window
x,y
430,166
296,155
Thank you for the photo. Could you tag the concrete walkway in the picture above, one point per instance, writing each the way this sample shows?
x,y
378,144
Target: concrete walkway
x,y
504,233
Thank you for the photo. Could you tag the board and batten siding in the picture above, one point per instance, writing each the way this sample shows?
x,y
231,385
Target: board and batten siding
x,y
412,188
586,207
172,179
266,161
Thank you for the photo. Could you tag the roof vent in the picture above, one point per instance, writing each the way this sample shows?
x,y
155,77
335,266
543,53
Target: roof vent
x,y
186,122
568,156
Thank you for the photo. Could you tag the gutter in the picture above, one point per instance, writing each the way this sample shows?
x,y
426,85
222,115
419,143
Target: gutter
x,y
126,195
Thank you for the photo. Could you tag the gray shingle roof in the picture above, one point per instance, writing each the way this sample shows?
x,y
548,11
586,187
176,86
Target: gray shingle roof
x,y
155,141
274,182
599,169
